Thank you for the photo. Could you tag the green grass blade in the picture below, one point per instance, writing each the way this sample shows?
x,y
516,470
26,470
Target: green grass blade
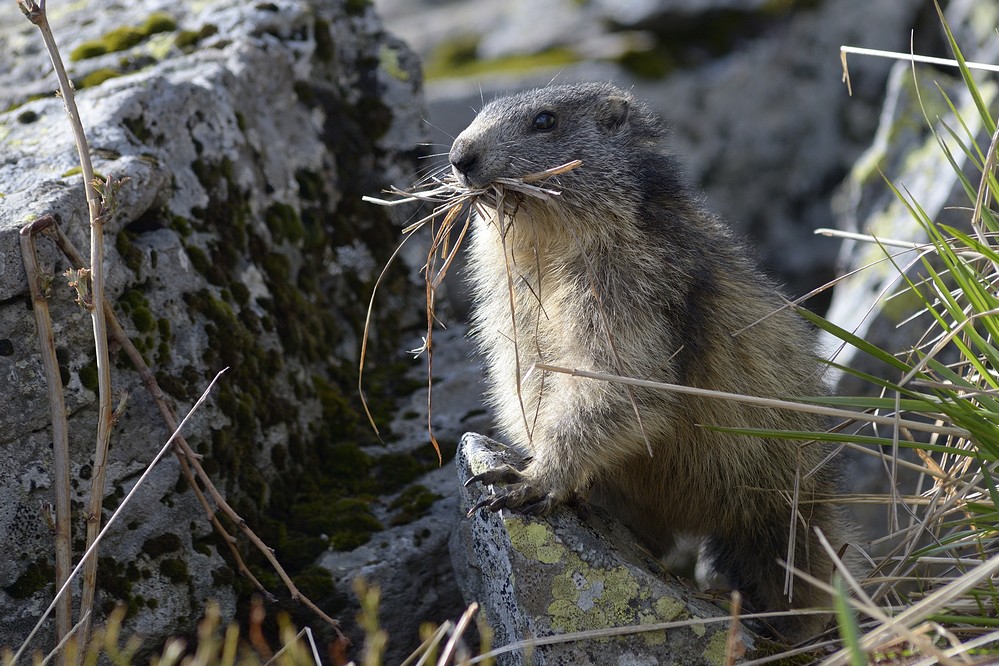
x,y
970,142
969,80
849,630
836,437
851,339
864,402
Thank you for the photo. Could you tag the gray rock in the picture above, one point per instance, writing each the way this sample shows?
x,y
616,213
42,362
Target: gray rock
x,y
409,562
906,152
249,133
546,577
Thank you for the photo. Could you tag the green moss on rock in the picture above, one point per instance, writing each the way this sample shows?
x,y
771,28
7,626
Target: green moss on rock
x,y
412,503
357,7
97,77
124,37
284,223
88,376
325,49
460,58
162,544
77,170
174,569
34,579
158,22
650,64
316,582
352,524
130,254
135,304
115,579
137,125
186,40
88,50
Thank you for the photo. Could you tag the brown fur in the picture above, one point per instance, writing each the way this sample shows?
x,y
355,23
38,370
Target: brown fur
x,y
626,273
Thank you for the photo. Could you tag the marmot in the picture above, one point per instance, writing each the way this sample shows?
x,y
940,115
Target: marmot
x,y
624,272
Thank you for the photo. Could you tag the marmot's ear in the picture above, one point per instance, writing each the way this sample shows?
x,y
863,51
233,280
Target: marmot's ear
x,y
614,112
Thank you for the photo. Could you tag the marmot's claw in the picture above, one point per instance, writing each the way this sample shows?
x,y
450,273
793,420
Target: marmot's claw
x,y
579,504
542,506
501,474
484,504
520,498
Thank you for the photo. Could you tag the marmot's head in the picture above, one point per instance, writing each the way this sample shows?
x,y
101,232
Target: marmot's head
x,y
600,124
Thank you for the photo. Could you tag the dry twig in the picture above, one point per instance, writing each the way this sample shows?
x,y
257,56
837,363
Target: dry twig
x,y
98,208
60,426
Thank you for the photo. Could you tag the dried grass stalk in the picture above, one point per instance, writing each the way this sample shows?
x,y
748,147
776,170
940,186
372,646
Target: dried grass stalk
x,y
60,425
98,209
450,199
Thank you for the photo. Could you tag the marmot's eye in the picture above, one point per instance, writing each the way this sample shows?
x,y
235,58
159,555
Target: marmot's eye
x,y
545,121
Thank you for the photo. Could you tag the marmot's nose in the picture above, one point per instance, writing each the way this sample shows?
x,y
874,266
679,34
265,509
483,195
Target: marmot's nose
x,y
463,157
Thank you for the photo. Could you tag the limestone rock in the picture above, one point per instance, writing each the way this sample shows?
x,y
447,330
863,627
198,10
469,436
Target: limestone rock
x,y
249,133
906,152
536,578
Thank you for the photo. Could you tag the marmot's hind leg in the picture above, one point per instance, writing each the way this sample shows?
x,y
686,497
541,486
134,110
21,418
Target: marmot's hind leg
x,y
752,562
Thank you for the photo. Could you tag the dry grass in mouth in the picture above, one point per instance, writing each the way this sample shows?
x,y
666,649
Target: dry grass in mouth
x,y
451,199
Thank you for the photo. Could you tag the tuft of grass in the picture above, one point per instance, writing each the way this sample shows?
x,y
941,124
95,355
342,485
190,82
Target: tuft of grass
x,y
936,588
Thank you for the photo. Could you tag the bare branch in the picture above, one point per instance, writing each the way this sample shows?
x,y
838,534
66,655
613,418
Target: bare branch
x,y
36,14
60,425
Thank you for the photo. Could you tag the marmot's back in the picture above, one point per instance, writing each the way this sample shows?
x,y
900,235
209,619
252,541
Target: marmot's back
x,y
625,273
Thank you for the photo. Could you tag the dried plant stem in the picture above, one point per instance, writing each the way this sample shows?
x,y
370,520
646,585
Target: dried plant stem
x,y
760,402
734,648
92,550
452,646
62,643
60,426
182,450
502,228
450,198
36,14
894,55
190,461
365,334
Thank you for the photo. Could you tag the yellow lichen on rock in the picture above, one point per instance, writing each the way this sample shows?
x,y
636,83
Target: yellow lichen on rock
x,y
534,540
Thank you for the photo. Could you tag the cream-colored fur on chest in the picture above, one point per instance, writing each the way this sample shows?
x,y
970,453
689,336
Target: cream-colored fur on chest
x,y
565,315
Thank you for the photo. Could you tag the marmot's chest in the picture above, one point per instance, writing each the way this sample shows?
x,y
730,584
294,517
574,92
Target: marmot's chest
x,y
536,287
556,320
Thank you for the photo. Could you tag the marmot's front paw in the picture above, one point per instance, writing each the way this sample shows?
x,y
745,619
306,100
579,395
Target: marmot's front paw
x,y
519,495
